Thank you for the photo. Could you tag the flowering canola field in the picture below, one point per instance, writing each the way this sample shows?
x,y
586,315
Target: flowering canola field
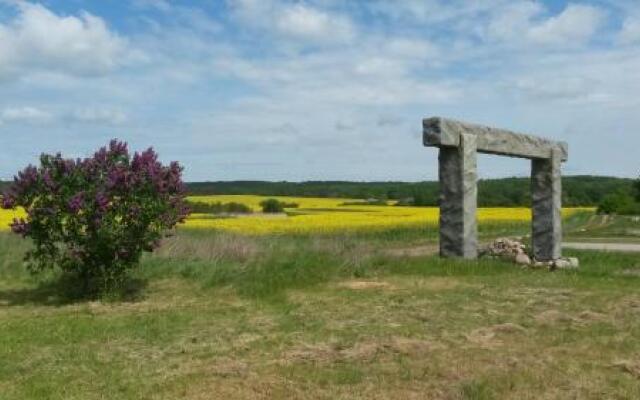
x,y
7,216
322,215
325,215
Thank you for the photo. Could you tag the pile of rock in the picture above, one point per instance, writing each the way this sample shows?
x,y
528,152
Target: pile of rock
x,y
508,249
515,251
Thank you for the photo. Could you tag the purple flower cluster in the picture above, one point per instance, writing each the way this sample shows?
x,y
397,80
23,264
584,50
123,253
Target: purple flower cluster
x,y
20,226
76,202
8,201
104,209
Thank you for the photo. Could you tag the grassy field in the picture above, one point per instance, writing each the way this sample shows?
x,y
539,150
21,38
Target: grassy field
x,y
588,227
342,315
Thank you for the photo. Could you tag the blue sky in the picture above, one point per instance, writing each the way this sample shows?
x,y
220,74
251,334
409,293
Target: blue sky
x,y
318,89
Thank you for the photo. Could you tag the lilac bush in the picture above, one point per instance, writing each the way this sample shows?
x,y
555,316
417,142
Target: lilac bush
x,y
94,217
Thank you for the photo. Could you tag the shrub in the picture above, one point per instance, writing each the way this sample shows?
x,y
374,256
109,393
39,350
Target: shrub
x,y
95,217
272,206
622,203
367,202
218,208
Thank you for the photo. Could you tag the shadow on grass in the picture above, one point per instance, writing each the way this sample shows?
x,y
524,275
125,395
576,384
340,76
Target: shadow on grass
x,y
69,289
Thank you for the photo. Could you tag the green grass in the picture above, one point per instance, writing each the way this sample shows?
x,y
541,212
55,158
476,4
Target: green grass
x,y
215,315
604,228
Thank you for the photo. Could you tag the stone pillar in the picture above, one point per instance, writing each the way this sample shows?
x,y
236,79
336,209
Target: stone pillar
x,y
546,207
458,199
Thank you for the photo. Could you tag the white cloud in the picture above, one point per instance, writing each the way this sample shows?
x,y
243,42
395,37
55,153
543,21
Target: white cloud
x,y
575,25
554,88
412,48
305,22
630,33
99,116
349,79
511,23
299,21
526,22
39,39
160,5
24,115
35,115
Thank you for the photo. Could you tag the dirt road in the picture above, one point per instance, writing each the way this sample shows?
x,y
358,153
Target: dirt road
x,y
626,247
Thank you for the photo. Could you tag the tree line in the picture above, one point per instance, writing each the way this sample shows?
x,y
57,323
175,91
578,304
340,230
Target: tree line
x,y
586,191
578,191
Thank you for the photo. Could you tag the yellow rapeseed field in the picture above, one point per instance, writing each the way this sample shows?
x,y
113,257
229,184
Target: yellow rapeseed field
x,y
7,216
322,215
330,215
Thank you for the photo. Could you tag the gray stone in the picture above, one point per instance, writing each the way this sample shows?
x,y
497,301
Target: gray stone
x,y
439,132
566,263
459,142
523,259
546,208
458,200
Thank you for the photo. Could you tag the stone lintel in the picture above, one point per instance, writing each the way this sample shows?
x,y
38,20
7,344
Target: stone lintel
x,y
442,132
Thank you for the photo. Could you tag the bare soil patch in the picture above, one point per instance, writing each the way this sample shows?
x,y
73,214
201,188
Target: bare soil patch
x,y
364,285
488,337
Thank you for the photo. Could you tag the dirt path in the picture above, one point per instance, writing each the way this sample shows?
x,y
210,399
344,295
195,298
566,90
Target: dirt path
x,y
430,249
628,247
415,251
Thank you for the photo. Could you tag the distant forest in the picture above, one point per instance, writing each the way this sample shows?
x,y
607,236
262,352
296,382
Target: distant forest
x,y
505,192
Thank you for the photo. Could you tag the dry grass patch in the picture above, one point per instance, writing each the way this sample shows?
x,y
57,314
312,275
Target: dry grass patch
x,y
552,317
213,248
489,337
364,285
415,251
363,351
631,367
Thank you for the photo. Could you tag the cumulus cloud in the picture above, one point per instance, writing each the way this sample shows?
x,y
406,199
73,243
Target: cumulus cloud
x,y
306,22
282,81
630,33
298,21
38,39
24,114
575,25
528,22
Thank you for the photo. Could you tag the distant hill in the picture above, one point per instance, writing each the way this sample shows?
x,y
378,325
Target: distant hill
x,y
506,192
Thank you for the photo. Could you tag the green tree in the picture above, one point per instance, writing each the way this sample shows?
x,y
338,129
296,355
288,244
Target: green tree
x,y
272,206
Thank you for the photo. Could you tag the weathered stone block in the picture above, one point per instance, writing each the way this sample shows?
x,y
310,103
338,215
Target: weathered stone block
x,y
438,132
546,208
458,199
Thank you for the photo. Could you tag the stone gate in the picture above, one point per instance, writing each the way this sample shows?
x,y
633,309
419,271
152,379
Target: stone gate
x,y
459,144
